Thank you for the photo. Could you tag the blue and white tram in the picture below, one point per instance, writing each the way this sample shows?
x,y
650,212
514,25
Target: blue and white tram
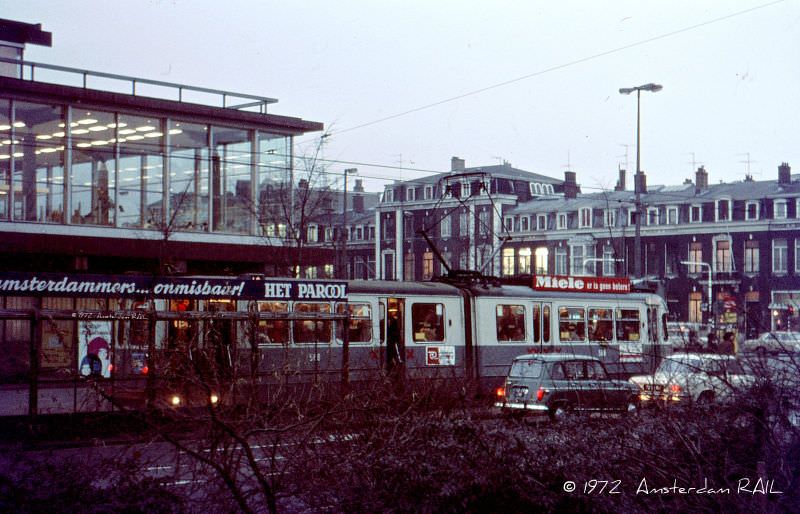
x,y
65,334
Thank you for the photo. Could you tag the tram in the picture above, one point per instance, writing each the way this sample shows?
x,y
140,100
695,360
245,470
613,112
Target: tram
x,y
83,343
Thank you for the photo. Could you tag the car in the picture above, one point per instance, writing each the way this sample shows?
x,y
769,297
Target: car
x,y
693,377
774,342
556,385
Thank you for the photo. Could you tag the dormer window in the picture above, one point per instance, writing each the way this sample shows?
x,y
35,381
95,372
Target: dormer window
x,y
652,215
536,188
508,221
523,224
611,218
410,194
428,192
780,209
695,213
388,195
541,222
561,221
585,217
723,210
672,215
751,211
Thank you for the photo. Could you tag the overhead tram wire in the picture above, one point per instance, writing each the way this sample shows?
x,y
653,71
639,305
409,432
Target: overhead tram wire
x,y
559,67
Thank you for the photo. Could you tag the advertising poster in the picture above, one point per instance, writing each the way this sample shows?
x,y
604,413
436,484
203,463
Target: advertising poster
x,y
440,355
94,348
57,344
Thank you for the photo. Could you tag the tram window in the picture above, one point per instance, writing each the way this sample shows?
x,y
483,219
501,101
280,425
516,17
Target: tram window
x,y
510,321
664,333
311,329
273,331
427,321
572,324
182,332
545,323
360,328
57,337
652,324
537,320
627,325
601,325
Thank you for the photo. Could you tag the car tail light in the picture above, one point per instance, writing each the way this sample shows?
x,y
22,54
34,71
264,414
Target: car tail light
x,y
675,389
145,370
501,392
110,368
540,394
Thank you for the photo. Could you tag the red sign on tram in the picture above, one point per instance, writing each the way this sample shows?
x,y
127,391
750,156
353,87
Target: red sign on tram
x,y
581,284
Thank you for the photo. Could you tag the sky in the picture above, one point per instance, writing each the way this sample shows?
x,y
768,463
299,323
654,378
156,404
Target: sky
x,y
403,86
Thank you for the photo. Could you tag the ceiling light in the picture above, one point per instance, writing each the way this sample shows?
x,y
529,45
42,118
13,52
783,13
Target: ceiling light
x,y
153,134
5,127
19,124
98,128
83,145
58,134
18,154
175,131
44,136
145,128
80,131
87,121
127,131
99,142
135,137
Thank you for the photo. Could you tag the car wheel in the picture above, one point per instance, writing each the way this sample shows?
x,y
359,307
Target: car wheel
x,y
705,397
559,412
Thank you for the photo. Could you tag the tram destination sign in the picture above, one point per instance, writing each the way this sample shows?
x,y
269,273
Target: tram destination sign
x,y
581,284
146,286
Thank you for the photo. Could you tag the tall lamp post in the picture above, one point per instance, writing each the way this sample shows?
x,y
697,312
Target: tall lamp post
x,y
708,266
637,243
341,272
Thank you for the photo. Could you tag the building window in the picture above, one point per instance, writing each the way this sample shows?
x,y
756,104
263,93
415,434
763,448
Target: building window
x,y
548,189
523,224
722,257
779,256
723,210
463,224
751,211
585,217
536,189
780,209
672,215
751,257
631,217
508,261
652,215
408,267
311,235
508,223
609,268
561,223
541,261
695,213
695,256
427,265
524,262
428,192
463,261
579,254
541,222
410,194
561,261
388,195
483,223
797,256
695,307
611,218
445,226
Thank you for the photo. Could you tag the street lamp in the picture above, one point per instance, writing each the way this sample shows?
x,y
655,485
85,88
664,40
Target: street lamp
x,y
342,254
707,265
637,244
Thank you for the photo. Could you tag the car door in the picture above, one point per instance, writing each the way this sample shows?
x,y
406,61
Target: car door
x,y
579,390
610,394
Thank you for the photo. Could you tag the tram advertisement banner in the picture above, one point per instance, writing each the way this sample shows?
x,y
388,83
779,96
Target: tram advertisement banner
x,y
94,348
581,284
145,286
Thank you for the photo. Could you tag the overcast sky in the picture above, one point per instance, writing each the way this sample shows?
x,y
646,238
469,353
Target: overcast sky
x,y
403,86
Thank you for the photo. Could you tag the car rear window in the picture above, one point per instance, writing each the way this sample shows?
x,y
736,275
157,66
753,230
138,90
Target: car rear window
x,y
526,368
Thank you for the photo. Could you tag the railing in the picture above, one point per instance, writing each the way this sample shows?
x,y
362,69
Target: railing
x,y
27,71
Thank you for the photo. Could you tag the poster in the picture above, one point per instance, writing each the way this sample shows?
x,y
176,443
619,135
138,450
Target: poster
x,y
94,348
57,345
440,355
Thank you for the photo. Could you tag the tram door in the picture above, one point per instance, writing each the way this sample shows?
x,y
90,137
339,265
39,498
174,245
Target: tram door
x,y
541,323
392,327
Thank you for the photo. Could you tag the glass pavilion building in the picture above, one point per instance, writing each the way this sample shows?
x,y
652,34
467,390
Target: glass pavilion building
x,y
105,173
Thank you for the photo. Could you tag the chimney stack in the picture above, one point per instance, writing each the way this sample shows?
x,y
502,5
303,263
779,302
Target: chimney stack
x,y
640,182
457,164
621,182
701,179
358,198
784,174
570,185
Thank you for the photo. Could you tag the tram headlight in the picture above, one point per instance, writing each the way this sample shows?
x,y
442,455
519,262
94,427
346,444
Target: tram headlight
x,y
175,400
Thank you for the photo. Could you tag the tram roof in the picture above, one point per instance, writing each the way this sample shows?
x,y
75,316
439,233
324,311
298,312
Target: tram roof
x,y
515,291
389,287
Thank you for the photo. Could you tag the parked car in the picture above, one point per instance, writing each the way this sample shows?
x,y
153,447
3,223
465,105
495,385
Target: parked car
x,y
693,377
774,342
556,385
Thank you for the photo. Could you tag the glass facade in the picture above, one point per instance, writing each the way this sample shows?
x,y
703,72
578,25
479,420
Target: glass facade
x,y
68,165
